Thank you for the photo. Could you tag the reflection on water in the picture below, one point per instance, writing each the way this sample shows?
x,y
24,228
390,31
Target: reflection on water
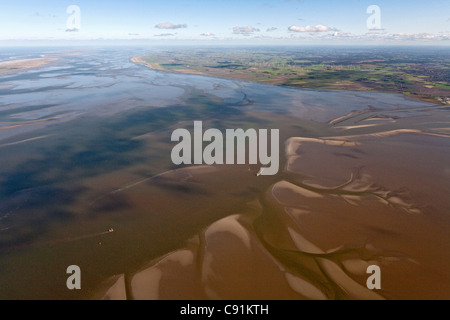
x,y
85,147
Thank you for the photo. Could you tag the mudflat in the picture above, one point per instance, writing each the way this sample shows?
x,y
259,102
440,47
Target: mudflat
x,y
23,64
85,147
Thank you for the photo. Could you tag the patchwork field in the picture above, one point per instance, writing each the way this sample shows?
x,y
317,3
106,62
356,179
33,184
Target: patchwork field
x,y
419,73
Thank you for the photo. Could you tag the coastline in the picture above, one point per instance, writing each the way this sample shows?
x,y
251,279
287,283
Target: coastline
x,y
24,64
157,67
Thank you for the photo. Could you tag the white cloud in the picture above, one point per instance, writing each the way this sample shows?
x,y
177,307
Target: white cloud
x,y
207,34
245,30
168,25
311,29
271,29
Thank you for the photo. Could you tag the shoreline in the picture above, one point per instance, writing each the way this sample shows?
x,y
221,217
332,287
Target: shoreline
x,y
140,60
24,64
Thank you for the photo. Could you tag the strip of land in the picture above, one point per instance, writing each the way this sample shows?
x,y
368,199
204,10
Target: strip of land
x,y
18,65
412,73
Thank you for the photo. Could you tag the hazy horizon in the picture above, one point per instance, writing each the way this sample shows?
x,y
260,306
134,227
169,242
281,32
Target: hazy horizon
x,y
252,22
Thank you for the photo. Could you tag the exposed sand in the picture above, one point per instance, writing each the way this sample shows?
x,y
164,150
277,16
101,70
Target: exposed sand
x,y
391,133
226,262
356,127
17,65
146,284
158,67
140,60
295,143
346,203
117,291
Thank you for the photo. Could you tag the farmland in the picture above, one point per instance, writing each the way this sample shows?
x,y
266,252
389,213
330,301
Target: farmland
x,y
419,73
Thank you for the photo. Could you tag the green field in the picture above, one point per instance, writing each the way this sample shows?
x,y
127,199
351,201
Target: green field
x,y
419,73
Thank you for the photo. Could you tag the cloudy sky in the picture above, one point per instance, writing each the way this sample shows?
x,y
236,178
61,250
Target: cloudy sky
x,y
248,21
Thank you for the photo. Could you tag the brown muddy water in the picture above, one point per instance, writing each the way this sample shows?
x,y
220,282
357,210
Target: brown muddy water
x,y
85,146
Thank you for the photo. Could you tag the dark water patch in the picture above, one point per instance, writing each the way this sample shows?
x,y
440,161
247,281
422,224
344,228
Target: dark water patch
x,y
111,203
341,154
31,212
10,112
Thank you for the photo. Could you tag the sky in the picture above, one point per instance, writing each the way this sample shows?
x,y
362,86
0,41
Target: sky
x,y
229,21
